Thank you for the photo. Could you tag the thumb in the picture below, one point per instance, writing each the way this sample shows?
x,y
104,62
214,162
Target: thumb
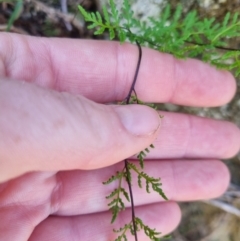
x,y
42,129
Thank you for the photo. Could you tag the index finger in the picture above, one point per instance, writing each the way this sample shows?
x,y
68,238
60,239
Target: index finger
x,y
103,71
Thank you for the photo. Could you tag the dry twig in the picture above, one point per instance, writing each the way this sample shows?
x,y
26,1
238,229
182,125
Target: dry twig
x,y
55,15
65,10
13,29
225,201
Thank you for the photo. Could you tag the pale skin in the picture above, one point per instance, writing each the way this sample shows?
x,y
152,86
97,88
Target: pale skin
x,y
59,141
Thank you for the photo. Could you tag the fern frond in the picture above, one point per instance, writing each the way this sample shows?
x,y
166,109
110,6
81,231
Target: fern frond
x,y
117,191
151,233
142,155
96,21
184,37
125,194
154,182
127,12
117,205
123,231
115,177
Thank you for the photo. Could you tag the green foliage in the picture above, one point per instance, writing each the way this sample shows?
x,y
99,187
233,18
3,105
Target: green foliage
x,y
151,233
117,205
154,182
140,157
118,175
123,230
143,154
97,22
184,37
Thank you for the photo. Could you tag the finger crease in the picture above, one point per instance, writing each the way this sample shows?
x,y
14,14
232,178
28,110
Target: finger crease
x,y
55,198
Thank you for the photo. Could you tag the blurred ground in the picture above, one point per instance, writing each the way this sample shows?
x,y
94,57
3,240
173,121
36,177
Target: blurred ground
x,y
202,221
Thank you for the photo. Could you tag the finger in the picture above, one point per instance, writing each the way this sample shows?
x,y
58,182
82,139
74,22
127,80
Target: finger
x,y
180,136
187,136
82,192
164,217
24,206
24,203
103,71
47,130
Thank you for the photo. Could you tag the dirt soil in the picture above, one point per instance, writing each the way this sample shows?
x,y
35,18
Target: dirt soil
x,y
202,221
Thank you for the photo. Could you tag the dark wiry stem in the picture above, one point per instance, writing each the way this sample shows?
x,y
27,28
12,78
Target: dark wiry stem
x,y
215,46
126,162
136,74
132,201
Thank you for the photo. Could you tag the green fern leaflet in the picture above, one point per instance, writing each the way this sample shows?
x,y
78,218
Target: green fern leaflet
x,y
190,37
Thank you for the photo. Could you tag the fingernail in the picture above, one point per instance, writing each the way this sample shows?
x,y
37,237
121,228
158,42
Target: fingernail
x,y
138,119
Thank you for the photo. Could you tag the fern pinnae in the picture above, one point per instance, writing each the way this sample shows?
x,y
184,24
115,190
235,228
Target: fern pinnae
x,y
118,175
139,181
117,205
140,157
123,230
154,182
151,233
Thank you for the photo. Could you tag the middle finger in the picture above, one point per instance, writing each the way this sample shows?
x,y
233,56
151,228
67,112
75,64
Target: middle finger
x,y
187,136
82,192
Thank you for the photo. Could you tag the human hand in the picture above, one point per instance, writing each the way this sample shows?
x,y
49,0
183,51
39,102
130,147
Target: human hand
x,y
57,147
